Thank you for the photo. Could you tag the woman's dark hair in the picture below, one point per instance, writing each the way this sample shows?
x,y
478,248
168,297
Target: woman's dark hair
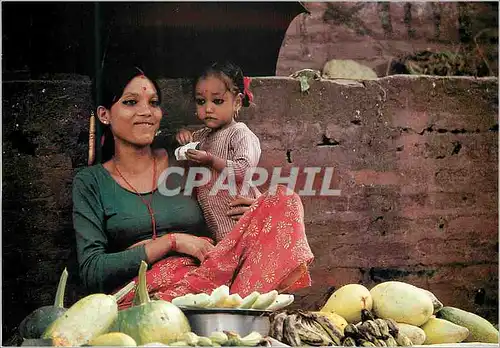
x,y
107,88
230,74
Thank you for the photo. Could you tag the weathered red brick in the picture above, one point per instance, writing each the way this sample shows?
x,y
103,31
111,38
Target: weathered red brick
x,y
450,200
470,176
413,212
417,121
449,251
460,285
379,203
317,209
370,177
356,31
481,228
437,145
323,275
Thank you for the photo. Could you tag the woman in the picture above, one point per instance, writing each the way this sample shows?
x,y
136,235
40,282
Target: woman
x,y
121,218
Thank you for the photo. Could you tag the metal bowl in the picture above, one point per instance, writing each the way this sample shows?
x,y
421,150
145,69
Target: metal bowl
x,y
204,321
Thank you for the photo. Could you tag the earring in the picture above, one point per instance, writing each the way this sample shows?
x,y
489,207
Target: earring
x,y
157,132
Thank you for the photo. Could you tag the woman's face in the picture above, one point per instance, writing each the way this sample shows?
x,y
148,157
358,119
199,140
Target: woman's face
x,y
215,104
135,117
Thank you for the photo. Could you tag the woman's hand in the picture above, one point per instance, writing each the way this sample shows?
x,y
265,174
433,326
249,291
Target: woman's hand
x,y
184,243
241,205
184,136
192,245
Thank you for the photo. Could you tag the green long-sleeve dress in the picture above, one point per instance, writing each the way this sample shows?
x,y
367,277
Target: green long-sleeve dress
x,y
108,218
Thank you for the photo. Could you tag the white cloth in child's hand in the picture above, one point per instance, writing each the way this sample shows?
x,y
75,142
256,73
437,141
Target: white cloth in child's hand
x,y
180,152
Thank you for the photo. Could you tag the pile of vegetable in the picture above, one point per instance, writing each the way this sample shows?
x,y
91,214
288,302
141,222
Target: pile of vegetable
x,y
390,314
95,320
221,298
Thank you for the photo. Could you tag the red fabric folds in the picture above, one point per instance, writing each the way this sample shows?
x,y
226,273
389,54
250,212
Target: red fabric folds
x,y
267,250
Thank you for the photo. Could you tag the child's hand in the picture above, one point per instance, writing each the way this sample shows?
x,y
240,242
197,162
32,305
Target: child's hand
x,y
199,156
184,136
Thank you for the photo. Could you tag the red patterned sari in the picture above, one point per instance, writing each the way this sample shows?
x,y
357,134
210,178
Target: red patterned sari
x,y
266,250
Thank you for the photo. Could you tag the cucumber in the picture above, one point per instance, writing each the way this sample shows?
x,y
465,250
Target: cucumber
x,y
265,300
480,329
88,318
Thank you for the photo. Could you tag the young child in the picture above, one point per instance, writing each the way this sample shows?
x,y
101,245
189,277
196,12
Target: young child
x,y
224,144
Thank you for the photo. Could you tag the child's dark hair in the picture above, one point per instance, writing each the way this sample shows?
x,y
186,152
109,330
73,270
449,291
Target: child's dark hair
x,y
107,88
231,75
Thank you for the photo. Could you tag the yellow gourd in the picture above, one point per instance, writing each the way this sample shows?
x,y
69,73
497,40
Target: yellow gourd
x,y
113,339
443,331
348,301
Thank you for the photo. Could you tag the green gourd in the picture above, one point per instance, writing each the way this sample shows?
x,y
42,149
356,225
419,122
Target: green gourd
x,y
480,329
151,320
35,323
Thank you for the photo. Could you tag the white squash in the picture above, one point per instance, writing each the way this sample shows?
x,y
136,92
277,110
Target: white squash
x,y
403,302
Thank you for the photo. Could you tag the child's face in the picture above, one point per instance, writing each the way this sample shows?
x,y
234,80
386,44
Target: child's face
x,y
215,104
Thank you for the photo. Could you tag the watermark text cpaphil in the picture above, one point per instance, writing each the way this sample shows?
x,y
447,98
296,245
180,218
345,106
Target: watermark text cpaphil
x,y
240,184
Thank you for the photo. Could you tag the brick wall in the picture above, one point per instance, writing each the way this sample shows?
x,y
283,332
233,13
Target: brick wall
x,y
373,33
44,140
415,159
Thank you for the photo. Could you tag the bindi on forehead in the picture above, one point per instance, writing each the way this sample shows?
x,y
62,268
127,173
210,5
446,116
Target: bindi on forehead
x,y
147,88
144,87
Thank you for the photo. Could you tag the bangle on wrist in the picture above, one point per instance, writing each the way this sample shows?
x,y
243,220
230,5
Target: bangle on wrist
x,y
173,241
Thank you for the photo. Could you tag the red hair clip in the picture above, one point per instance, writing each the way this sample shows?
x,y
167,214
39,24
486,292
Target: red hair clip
x,y
246,88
